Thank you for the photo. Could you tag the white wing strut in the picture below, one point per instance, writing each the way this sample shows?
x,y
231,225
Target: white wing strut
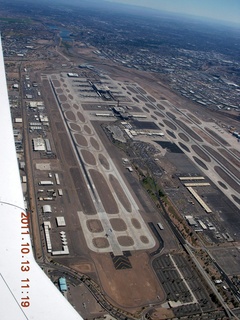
x,y
25,291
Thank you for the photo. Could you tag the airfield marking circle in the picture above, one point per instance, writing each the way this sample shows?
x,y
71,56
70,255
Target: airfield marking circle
x,y
236,152
201,153
62,98
151,99
183,137
118,224
80,116
188,130
74,127
70,116
150,106
104,162
88,157
170,124
157,113
161,107
171,115
236,199
94,143
125,241
200,163
171,134
87,129
136,223
100,242
216,136
65,105
183,146
81,140
94,225
145,109
227,178
56,83
222,185
228,156
194,118
144,239
223,161
186,121
131,89
141,98
141,90
135,99
206,137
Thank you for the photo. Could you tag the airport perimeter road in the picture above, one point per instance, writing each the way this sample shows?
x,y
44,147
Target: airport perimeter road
x,y
93,288
228,311
38,250
188,249
224,276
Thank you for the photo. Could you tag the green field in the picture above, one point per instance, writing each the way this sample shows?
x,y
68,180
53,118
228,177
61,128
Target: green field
x,y
15,20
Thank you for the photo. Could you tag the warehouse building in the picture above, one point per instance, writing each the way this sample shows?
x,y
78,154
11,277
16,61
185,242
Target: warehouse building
x,y
38,144
62,284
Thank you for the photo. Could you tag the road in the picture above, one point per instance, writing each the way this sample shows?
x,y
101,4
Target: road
x,y
188,249
95,290
36,237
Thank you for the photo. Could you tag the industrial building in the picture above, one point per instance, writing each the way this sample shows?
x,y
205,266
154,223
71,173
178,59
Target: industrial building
x,y
62,284
38,144
60,221
44,301
47,208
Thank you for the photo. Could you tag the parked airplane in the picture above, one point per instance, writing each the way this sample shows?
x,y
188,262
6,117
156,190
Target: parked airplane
x,y
25,291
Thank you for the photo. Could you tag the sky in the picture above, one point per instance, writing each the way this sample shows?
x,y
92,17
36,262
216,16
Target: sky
x,y
225,10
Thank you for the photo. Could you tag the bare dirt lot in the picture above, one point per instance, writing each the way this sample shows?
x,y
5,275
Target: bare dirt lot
x,y
124,287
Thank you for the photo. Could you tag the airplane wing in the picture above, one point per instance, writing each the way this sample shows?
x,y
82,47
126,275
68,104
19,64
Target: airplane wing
x,y
25,290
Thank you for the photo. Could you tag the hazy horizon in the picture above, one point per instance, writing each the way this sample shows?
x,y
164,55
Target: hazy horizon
x,y
225,11
222,10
